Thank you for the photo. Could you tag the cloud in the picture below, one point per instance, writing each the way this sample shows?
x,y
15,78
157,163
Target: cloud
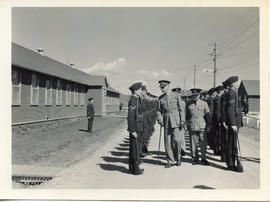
x,y
154,74
113,67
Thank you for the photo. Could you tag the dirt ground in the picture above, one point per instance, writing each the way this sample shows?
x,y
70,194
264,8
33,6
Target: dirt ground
x,y
60,143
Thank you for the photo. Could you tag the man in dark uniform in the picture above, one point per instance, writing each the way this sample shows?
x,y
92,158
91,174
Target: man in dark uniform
x,y
203,95
198,122
210,102
233,112
135,128
224,127
147,112
216,120
171,115
90,114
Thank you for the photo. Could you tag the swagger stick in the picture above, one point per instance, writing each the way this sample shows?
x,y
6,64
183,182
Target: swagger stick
x,y
160,130
240,167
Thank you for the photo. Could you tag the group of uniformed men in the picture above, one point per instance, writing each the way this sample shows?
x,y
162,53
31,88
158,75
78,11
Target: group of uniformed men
x,y
214,117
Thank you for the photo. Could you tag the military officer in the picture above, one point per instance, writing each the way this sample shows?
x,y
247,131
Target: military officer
x,y
210,102
147,112
216,120
198,122
171,115
135,127
203,95
178,90
233,112
90,113
224,127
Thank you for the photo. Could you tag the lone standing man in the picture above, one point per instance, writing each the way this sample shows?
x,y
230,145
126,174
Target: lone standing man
x,y
90,114
135,128
198,119
233,112
171,115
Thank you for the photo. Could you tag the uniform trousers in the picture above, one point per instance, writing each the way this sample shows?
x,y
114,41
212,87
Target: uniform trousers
x,y
232,147
146,132
90,124
140,143
194,141
224,141
216,137
133,154
173,142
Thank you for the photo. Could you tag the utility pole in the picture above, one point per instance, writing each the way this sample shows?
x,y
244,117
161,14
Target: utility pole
x,y
185,86
194,75
215,66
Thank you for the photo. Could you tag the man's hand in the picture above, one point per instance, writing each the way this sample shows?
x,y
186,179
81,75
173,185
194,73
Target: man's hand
x,y
225,126
135,134
160,123
182,124
234,128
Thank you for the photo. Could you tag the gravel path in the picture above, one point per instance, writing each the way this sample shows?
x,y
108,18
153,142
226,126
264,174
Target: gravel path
x,y
107,168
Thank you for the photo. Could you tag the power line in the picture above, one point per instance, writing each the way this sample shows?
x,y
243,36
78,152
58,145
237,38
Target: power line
x,y
238,64
240,28
236,26
241,33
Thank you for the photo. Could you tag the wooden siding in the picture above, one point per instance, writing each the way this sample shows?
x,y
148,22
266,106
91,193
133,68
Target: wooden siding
x,y
25,112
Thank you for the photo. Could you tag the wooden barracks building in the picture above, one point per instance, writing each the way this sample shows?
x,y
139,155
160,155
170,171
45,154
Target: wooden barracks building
x,y
44,89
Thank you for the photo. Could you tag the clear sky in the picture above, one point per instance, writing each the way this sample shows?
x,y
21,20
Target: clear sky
x,y
146,44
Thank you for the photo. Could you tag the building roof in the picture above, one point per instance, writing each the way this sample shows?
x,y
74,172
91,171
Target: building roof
x,y
32,60
109,88
252,86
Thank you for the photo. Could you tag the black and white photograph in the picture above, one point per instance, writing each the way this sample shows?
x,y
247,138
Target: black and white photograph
x,y
136,98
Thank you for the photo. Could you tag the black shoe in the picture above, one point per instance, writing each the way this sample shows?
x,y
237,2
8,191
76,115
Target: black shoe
x,y
138,171
178,163
168,165
194,162
231,168
183,153
205,162
143,155
144,149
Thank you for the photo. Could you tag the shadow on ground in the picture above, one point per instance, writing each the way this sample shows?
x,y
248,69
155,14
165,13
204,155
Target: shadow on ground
x,y
111,167
202,187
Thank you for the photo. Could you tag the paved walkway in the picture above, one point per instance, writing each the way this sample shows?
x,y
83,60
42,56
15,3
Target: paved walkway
x,y
108,169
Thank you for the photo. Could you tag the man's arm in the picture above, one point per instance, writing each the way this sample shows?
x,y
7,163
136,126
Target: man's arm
x,y
207,115
159,113
131,114
230,109
217,108
182,109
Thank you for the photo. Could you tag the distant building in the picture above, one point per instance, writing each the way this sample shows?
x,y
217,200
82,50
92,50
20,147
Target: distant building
x,y
249,91
124,99
43,88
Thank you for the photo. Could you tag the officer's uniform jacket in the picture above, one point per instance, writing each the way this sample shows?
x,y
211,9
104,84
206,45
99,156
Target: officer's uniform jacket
x,y
171,110
210,102
233,109
197,115
222,107
216,111
135,121
148,109
90,110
